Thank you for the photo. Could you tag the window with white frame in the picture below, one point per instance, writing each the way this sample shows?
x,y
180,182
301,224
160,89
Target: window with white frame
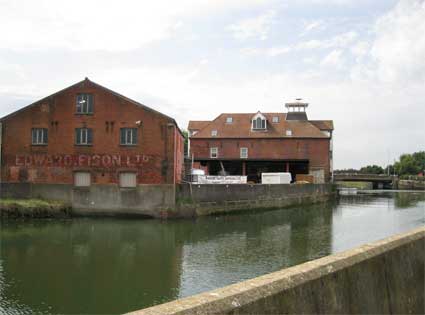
x,y
128,136
214,153
244,153
214,133
82,179
275,119
83,136
259,123
128,179
84,104
229,120
39,136
288,132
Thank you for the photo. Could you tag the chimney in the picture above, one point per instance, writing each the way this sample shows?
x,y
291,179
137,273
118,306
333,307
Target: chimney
x,y
296,110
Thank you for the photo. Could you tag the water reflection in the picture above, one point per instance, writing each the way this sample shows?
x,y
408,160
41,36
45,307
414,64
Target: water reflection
x,y
114,266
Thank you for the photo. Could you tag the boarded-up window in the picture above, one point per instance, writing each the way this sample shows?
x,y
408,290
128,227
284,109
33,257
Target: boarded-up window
x,y
82,179
128,179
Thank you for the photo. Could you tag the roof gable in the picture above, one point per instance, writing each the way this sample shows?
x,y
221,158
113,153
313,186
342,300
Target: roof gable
x,y
83,82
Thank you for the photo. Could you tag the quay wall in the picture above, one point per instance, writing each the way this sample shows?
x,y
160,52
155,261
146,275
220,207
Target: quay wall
x,y
198,200
170,201
384,277
104,200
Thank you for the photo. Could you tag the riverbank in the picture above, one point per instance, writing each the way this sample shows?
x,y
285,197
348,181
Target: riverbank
x,y
33,208
407,184
171,201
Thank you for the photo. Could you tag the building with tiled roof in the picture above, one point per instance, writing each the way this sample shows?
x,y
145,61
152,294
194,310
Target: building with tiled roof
x,y
253,143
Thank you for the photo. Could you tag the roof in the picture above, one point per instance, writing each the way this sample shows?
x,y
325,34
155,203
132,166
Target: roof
x,y
96,85
241,127
197,124
323,124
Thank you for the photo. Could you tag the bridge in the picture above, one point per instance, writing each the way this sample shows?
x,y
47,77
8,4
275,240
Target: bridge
x,y
378,181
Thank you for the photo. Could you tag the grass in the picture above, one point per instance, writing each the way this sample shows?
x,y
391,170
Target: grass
x,y
33,208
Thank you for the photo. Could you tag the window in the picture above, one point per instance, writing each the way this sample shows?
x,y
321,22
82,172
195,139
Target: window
x,y
82,179
259,123
128,136
128,179
244,153
214,133
229,120
39,136
275,119
83,136
213,153
84,104
289,132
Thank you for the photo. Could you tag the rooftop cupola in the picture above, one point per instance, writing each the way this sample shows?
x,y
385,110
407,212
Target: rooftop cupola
x,y
296,110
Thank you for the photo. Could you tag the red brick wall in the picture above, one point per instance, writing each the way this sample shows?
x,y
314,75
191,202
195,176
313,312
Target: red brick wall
x,y
314,150
152,158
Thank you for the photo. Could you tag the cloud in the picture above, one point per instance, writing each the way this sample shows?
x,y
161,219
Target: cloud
x,y
342,40
399,48
313,26
253,28
333,59
81,25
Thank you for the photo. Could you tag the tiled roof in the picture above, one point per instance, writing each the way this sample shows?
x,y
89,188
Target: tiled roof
x,y
241,127
197,124
323,124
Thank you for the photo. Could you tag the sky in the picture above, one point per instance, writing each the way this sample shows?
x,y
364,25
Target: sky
x,y
360,63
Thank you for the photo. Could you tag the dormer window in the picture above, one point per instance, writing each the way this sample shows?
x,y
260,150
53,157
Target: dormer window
x,y
213,133
259,122
229,120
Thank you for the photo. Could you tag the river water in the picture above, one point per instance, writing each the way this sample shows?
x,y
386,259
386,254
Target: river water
x,y
107,266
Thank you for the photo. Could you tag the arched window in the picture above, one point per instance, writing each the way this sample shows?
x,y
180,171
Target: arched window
x,y
259,123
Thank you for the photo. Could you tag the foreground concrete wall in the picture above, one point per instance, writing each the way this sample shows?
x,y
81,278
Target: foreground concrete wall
x,y
198,200
145,200
385,277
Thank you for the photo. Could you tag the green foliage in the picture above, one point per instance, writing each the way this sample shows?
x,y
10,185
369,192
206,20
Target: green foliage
x,y
410,164
372,169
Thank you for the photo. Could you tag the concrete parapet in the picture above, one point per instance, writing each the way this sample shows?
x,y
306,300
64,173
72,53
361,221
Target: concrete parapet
x,y
384,277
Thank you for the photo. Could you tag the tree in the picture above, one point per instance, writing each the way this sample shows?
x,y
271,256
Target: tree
x,y
372,169
410,164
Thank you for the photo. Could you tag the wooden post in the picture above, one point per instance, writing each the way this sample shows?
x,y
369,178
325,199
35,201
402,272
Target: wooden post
x,y
287,167
244,168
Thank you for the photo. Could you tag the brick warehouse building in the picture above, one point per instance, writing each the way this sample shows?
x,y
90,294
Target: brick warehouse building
x,y
249,144
87,134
